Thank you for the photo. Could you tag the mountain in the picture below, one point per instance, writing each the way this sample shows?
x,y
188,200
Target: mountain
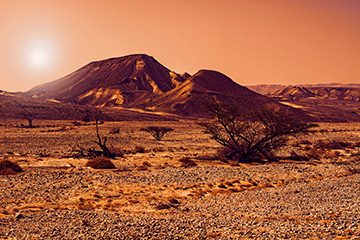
x,y
265,89
327,103
138,82
330,93
17,106
207,85
292,92
122,81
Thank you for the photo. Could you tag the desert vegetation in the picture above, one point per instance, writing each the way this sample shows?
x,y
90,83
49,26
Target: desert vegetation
x,y
8,167
252,136
100,163
157,132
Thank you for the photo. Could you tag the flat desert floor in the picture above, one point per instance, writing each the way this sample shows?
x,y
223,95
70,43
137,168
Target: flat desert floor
x,y
151,195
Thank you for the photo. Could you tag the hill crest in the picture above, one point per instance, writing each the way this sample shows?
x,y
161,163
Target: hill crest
x,y
140,82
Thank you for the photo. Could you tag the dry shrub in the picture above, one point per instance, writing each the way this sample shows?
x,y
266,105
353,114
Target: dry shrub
x,y
213,235
181,148
85,206
157,132
187,162
331,154
159,149
172,203
160,167
134,201
314,153
297,157
163,206
7,167
305,142
76,123
146,163
115,130
116,151
139,149
254,136
142,168
332,144
100,163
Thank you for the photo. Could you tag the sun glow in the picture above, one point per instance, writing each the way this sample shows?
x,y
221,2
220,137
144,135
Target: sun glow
x,y
40,55
38,58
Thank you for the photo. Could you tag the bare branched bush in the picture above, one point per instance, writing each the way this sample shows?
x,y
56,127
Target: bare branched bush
x,y
253,136
157,132
102,141
27,113
107,151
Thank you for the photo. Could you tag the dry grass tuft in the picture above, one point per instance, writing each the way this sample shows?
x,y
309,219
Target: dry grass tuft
x,y
187,162
333,144
100,163
297,157
7,167
142,168
213,235
139,149
146,163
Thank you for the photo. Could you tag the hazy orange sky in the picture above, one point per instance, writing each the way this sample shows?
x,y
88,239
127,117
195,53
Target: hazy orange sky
x,y
251,41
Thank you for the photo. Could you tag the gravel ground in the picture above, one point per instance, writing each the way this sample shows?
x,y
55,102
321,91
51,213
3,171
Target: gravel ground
x,y
322,208
59,198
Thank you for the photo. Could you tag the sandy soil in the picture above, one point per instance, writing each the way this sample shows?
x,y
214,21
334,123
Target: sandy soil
x,y
150,196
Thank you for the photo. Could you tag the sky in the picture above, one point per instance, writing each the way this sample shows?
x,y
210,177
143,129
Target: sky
x,y
251,41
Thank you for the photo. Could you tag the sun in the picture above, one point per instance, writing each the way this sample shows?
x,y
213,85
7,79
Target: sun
x,y
40,55
38,58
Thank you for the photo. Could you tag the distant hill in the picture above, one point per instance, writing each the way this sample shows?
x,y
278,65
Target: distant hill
x,y
140,82
327,102
266,89
14,107
330,93
137,87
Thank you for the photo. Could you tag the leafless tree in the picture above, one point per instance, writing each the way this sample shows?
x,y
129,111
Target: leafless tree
x,y
102,142
251,136
27,114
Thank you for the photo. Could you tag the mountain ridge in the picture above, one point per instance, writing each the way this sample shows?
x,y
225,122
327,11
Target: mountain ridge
x,y
139,81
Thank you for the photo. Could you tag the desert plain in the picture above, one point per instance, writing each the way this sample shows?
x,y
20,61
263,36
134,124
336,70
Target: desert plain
x,y
312,192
